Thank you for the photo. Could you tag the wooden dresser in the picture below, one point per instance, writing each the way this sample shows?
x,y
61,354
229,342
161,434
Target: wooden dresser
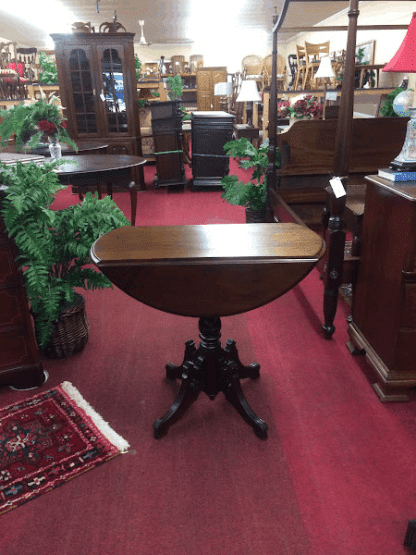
x,y
383,322
20,364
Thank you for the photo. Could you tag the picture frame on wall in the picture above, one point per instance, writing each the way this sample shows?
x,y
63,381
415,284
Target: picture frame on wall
x,y
364,52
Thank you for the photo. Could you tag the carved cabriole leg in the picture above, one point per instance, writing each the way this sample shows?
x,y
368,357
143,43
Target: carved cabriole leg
x,y
234,395
333,275
188,394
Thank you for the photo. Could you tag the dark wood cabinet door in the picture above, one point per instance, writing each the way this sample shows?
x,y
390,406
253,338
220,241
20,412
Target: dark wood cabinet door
x,y
80,92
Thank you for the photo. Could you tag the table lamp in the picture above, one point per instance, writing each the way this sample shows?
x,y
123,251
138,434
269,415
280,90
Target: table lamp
x,y
249,93
223,90
404,61
325,72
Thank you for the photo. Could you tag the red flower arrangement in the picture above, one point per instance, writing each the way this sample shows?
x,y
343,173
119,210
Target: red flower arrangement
x,y
48,127
306,107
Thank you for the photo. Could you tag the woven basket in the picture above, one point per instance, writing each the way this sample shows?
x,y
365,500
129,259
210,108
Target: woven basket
x,y
255,216
71,331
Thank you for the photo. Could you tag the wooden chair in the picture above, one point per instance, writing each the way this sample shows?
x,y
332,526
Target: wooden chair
x,y
313,59
252,67
292,61
281,76
178,64
12,84
27,57
301,66
196,61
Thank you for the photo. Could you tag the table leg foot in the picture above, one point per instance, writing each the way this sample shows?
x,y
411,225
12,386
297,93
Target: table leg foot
x,y
187,395
250,371
234,395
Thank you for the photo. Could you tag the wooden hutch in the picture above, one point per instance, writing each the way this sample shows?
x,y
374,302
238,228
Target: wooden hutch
x,y
97,82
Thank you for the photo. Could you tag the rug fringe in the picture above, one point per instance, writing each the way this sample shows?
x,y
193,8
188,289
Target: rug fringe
x,y
103,426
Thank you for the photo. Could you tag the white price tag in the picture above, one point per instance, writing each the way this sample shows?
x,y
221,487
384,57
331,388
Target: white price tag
x,y
331,95
102,96
337,187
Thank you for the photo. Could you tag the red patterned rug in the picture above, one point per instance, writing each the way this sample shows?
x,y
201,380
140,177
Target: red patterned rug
x,y
49,439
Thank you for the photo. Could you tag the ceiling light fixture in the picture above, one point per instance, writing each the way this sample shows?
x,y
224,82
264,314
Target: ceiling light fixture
x,y
142,40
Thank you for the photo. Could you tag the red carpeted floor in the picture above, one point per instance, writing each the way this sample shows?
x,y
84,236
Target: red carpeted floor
x,y
334,477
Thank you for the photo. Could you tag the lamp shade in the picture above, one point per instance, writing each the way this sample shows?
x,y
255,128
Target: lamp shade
x,y
223,89
405,58
248,92
325,69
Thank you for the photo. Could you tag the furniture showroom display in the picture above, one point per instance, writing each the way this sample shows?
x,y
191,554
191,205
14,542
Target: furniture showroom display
x,y
210,132
97,83
384,307
207,272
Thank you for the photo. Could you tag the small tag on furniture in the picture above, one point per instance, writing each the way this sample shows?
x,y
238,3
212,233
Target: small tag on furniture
x,y
337,187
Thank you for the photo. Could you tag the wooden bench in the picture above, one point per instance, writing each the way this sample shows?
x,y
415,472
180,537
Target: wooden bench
x,y
307,160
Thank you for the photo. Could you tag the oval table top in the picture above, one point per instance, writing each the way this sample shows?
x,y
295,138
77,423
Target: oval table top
x,y
208,270
92,163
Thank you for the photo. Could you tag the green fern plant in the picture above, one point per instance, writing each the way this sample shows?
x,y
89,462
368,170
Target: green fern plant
x,y
175,87
49,73
54,246
252,194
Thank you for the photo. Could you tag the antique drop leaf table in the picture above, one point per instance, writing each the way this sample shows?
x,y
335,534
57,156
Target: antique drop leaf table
x,y
208,271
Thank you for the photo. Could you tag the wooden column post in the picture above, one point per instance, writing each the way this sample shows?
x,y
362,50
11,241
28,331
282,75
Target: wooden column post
x,y
343,140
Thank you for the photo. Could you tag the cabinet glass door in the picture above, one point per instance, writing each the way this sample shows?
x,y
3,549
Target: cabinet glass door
x,y
82,91
114,91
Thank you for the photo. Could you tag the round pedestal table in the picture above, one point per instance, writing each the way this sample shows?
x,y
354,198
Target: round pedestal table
x,y
208,271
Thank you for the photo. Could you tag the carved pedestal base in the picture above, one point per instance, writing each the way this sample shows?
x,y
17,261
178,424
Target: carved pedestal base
x,y
210,369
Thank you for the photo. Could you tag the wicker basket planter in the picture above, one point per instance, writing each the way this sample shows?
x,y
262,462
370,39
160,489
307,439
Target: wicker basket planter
x,y
71,331
255,216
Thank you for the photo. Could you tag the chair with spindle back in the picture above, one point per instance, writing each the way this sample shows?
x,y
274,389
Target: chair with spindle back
x,y
313,59
301,66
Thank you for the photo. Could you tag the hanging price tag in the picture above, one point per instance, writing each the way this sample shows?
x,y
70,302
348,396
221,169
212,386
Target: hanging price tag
x,y
337,187
331,95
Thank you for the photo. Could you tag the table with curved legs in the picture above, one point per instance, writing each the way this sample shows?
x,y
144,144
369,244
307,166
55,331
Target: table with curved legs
x,y
208,271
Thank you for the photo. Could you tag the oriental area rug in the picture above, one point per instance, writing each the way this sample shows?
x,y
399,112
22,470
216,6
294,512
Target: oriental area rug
x,y
49,439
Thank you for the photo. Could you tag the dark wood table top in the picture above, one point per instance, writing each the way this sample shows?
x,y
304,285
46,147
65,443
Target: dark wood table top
x,y
92,163
208,270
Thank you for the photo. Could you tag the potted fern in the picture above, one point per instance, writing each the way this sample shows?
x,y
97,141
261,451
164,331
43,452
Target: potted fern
x,y
251,195
54,251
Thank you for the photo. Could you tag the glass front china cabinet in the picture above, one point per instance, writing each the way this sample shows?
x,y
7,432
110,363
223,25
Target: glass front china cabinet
x,y
97,84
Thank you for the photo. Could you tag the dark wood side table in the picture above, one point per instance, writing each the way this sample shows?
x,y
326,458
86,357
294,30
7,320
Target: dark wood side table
x,y
207,272
210,132
95,172
383,325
